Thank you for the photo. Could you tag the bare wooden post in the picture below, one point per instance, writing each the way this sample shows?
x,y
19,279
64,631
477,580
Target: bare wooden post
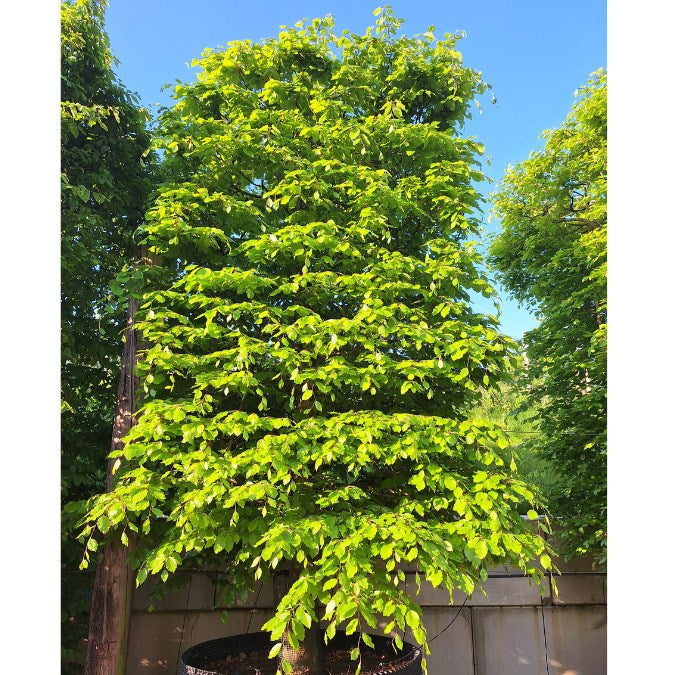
x,y
113,584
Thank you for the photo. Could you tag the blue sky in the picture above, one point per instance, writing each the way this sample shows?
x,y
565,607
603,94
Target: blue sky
x,y
534,53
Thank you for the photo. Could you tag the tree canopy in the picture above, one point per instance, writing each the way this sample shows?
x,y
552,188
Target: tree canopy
x,y
104,186
552,256
104,183
310,340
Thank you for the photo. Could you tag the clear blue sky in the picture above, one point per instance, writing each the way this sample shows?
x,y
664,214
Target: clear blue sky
x,y
534,53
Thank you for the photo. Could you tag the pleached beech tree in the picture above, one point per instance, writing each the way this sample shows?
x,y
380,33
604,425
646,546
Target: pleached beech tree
x,y
310,338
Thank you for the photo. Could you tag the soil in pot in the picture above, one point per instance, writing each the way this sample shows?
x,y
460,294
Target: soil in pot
x,y
335,662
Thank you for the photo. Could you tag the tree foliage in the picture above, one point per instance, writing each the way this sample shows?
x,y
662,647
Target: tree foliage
x,y
509,406
552,255
310,338
104,187
104,183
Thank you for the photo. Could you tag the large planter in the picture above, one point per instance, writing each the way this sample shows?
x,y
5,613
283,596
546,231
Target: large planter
x,y
248,656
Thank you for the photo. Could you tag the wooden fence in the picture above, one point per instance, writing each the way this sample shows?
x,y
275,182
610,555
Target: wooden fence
x,y
512,630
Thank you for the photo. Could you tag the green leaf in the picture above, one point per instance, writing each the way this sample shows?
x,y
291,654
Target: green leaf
x,y
481,548
386,551
304,617
141,576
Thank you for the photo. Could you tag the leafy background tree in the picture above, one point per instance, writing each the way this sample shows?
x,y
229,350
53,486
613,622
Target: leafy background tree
x,y
552,256
104,184
509,405
311,345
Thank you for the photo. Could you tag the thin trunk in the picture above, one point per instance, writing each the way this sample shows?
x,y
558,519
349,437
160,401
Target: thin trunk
x,y
113,585
307,658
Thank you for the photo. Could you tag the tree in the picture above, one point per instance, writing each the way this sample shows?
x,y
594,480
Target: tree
x,y
552,255
310,340
509,406
104,184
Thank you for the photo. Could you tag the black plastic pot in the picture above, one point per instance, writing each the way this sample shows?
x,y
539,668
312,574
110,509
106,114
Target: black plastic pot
x,y
197,659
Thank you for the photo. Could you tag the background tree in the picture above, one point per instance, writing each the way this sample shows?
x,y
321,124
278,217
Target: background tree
x,y
104,186
552,256
311,344
508,405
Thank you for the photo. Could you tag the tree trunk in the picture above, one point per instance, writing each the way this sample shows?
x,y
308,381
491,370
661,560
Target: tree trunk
x,y
113,584
306,659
